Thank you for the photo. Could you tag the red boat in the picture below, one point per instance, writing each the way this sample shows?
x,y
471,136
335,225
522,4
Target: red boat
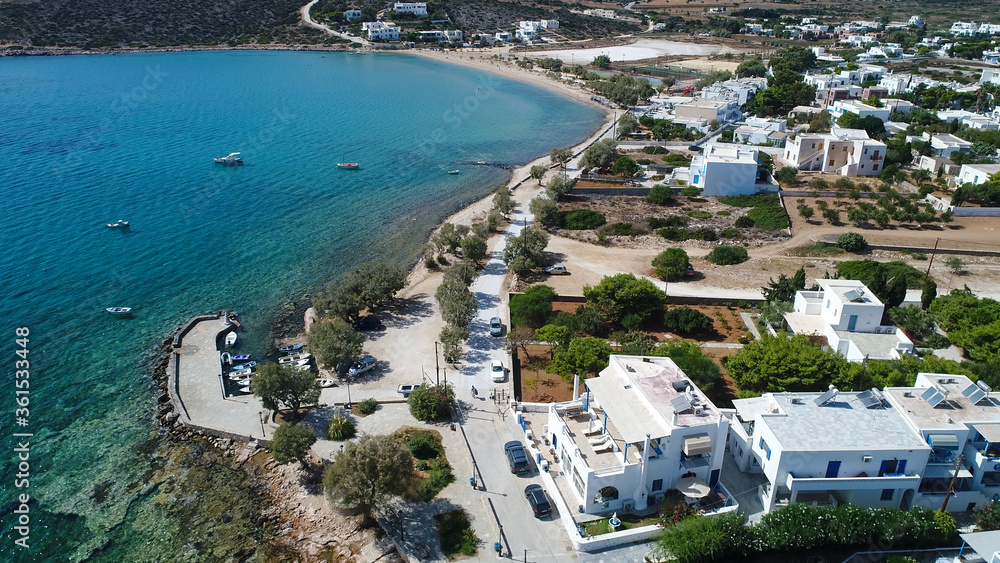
x,y
349,165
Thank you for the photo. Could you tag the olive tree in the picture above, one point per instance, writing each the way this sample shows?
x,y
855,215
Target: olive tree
x,y
278,386
367,473
671,264
526,251
334,341
291,442
538,172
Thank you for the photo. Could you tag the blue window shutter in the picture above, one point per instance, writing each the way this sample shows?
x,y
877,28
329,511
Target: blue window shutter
x,y
901,467
881,470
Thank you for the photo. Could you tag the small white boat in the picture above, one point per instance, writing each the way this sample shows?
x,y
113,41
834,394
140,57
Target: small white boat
x,y
453,172
226,358
241,374
348,165
243,382
323,382
119,311
230,159
119,224
231,339
301,365
294,358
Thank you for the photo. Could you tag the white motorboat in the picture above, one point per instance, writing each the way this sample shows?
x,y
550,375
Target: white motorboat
x,y
119,311
230,159
294,358
231,339
243,382
323,382
119,224
240,374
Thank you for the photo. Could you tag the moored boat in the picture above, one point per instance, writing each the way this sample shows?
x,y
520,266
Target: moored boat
x,y
243,382
230,159
285,348
240,373
323,382
226,358
231,339
348,165
453,172
237,358
248,365
119,224
119,311
294,358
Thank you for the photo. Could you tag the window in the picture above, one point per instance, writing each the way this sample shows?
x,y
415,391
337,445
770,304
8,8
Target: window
x,y
814,145
862,166
831,162
764,448
887,494
875,167
657,485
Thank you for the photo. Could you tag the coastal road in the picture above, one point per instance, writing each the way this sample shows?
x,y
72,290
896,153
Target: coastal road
x,y
308,21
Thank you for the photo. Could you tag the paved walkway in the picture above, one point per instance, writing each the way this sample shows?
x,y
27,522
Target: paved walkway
x,y
200,386
743,487
751,326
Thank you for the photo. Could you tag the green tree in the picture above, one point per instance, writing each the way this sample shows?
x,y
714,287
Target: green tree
x,y
783,363
452,337
458,305
626,167
601,154
671,264
627,123
538,172
554,333
955,264
367,473
752,68
533,307
913,320
660,195
928,294
431,403
526,251
621,295
334,341
699,539
278,386
559,186
602,61
852,242
586,355
727,255
370,286
806,211
291,442
474,248
503,201
787,175
686,321
561,156
545,211
784,289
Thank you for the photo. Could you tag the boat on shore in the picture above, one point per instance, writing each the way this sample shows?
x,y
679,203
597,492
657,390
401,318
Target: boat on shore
x,y
324,382
348,165
230,159
119,224
286,348
119,311
231,339
294,358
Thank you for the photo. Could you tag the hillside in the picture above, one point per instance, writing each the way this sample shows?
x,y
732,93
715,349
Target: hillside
x,y
493,15
109,23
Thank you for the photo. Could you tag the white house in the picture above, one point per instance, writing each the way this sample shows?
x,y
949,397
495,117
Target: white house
x,y
967,29
849,315
381,31
725,169
861,109
827,448
946,144
990,75
848,152
759,131
351,15
529,26
916,21
740,90
634,433
504,36
601,13
723,110
976,173
989,29
415,8
954,416
894,104
549,24
445,35
526,34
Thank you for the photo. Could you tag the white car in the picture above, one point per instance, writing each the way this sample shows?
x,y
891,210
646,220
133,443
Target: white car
x,y
498,372
557,270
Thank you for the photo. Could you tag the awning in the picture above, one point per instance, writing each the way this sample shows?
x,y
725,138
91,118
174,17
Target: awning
x,y
983,543
944,472
693,487
990,431
943,440
697,445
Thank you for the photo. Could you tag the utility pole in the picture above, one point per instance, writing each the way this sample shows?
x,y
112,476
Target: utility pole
x,y
933,252
951,486
437,368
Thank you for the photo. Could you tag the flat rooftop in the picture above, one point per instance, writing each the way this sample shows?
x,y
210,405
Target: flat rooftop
x,y
954,408
803,323
636,393
850,291
875,346
843,423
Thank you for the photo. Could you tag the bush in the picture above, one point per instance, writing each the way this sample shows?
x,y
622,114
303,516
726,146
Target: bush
x,y
987,517
726,255
581,219
533,307
729,233
368,406
723,213
745,222
654,150
675,234
704,233
619,229
423,445
691,191
852,242
660,195
687,321
340,428
671,264
766,213
786,175
699,214
456,534
431,403
673,221
937,341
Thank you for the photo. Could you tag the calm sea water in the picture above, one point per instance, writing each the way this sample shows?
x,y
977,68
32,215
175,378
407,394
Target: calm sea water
x,y
88,140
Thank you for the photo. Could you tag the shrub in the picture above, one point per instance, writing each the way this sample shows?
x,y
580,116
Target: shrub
x,y
532,308
937,341
987,517
691,191
699,214
431,402
676,234
340,428
581,219
671,264
654,150
725,255
673,221
744,222
686,321
786,175
729,233
766,213
852,242
423,445
704,233
723,213
368,406
456,533
660,195
619,229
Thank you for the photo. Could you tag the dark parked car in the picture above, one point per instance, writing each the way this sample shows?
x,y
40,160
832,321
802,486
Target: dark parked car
x,y
694,148
370,322
538,501
517,457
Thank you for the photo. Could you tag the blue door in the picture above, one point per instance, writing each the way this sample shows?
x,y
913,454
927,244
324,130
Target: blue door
x,y
852,322
832,469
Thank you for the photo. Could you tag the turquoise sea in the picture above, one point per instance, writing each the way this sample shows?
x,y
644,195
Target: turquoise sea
x,y
87,140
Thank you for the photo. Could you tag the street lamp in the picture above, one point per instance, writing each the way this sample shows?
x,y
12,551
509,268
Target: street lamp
x,y
348,405
263,433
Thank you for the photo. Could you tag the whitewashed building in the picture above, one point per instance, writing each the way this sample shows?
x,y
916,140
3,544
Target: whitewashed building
x,y
351,15
976,173
415,8
848,152
722,110
381,31
725,169
504,36
827,448
849,315
760,131
453,35
946,144
861,109
635,432
965,29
